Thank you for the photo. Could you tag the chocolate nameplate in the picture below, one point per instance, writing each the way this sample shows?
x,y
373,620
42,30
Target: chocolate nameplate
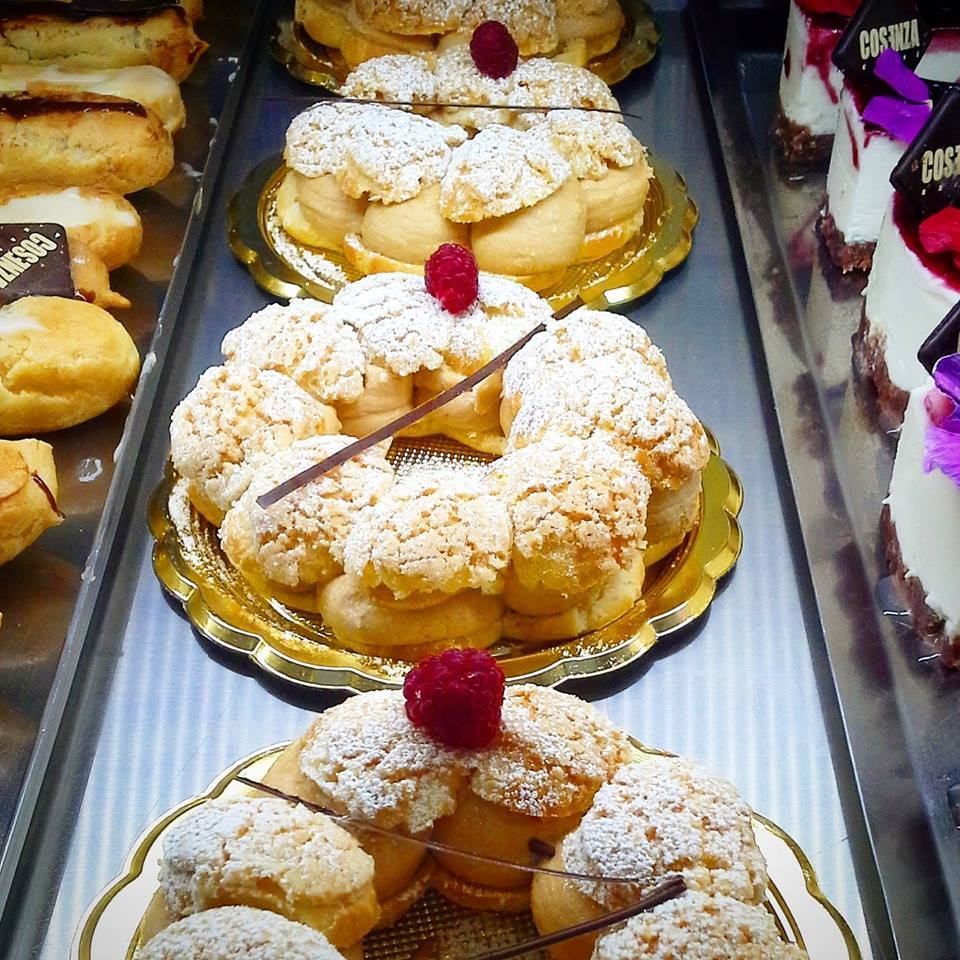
x,y
34,261
943,342
881,25
928,174
940,13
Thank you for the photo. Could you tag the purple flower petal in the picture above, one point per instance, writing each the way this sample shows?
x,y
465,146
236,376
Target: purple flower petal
x,y
946,375
891,69
942,452
897,117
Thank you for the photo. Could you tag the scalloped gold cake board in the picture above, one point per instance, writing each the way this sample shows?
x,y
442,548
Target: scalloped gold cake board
x,y
110,929
298,647
286,268
324,67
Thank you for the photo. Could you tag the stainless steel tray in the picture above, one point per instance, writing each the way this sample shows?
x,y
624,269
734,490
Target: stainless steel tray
x,y
899,706
154,712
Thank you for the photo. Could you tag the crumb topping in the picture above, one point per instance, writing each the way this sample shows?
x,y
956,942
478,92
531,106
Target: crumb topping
x,y
633,403
555,751
226,848
397,76
238,933
299,540
532,23
388,155
698,927
583,335
590,142
413,16
665,815
499,171
400,325
234,415
439,530
578,509
539,82
304,341
369,761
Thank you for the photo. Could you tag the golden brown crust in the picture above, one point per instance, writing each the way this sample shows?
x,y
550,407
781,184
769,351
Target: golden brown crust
x,y
28,492
164,39
63,143
61,362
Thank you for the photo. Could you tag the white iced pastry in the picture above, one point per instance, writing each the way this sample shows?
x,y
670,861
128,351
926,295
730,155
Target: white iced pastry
x,y
925,511
906,297
809,82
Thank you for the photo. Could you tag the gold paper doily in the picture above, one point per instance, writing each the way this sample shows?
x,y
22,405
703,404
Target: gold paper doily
x,y
322,66
297,646
286,268
110,929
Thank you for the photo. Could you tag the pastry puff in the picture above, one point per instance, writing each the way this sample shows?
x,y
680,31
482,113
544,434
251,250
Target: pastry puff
x,y
82,139
163,37
28,494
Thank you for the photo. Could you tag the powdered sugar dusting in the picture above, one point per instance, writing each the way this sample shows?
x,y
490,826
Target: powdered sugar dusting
x,y
238,933
368,761
554,753
228,848
302,340
499,171
696,926
437,530
660,816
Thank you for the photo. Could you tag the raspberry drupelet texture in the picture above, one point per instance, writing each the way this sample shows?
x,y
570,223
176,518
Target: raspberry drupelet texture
x,y
494,51
456,698
452,277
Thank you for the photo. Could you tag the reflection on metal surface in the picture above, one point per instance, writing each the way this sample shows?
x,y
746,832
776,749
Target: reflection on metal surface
x,y
110,928
324,67
288,269
297,646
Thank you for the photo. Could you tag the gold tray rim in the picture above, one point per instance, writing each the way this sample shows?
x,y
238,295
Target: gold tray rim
x,y
247,210
135,860
635,49
180,579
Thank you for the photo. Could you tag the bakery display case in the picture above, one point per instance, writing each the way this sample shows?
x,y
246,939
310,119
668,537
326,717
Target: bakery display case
x,y
149,656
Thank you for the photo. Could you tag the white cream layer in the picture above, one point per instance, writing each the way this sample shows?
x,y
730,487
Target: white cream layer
x,y
803,95
70,207
925,508
904,303
858,192
149,86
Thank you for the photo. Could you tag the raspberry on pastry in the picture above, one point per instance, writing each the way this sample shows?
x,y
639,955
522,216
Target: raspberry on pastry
x,y
494,51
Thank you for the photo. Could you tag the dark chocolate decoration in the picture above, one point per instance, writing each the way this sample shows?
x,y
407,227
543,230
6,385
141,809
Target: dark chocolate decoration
x,y
928,174
942,342
877,26
34,261
22,106
85,9
940,13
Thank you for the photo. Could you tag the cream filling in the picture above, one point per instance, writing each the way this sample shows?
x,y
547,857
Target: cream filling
x,y
925,508
858,192
69,207
146,85
804,96
904,303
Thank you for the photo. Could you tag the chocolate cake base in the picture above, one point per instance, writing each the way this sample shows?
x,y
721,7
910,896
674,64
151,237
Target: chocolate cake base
x,y
928,624
797,147
847,256
872,366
